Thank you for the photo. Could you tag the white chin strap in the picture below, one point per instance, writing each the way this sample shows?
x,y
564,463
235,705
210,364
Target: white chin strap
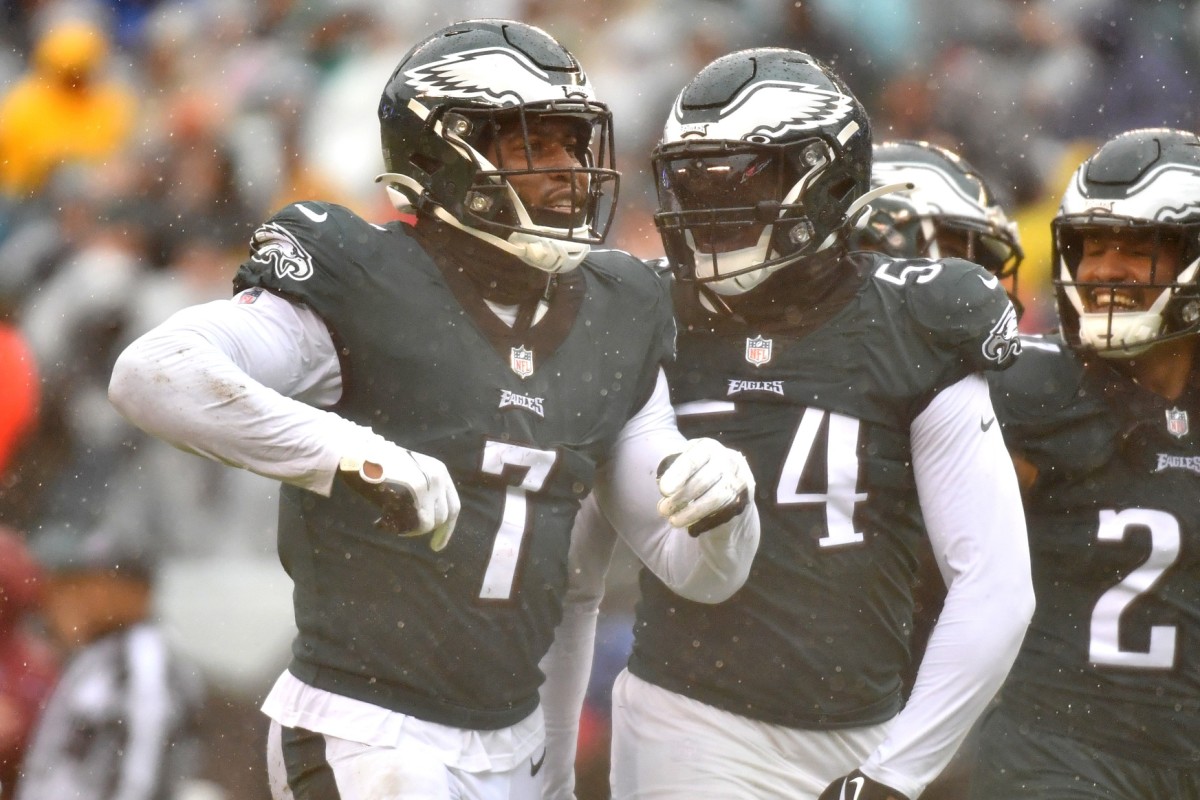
x,y
1123,334
1131,332
540,252
744,259
709,265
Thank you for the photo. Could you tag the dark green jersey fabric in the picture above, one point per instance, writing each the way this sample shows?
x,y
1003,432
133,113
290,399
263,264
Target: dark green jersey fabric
x,y
818,636
520,420
1112,656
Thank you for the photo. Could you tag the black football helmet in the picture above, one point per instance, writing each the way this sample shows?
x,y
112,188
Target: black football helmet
x,y
444,104
950,211
1141,181
762,161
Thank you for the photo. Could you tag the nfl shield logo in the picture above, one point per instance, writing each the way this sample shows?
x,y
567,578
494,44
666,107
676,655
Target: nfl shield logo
x,y
1177,423
758,351
521,361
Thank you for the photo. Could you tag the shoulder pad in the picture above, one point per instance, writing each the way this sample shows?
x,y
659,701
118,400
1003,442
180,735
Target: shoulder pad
x,y
1052,409
660,265
621,266
642,292
1043,382
960,305
297,240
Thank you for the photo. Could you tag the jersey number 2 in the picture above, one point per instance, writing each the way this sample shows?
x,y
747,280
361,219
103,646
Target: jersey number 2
x,y
535,466
1105,645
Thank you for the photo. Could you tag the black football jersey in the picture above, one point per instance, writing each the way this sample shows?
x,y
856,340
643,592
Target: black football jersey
x,y
819,634
521,420
1113,653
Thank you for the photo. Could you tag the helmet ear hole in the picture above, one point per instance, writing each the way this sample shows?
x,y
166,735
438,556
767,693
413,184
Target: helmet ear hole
x,y
844,191
424,163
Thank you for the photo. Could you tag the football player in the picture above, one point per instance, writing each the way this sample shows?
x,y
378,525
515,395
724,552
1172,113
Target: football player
x,y
945,209
1104,698
437,395
949,211
853,384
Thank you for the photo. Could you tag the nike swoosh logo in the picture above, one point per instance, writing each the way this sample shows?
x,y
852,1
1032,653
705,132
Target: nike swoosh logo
x,y
858,785
990,281
983,426
536,766
313,215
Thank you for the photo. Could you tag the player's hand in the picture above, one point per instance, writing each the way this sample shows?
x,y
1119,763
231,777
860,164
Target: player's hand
x,y
414,492
704,486
857,786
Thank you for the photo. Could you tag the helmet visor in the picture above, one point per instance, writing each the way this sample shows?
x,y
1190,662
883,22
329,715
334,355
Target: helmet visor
x,y
961,237
723,197
549,166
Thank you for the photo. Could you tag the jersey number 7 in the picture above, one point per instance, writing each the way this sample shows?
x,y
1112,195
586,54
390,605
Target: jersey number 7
x,y
536,466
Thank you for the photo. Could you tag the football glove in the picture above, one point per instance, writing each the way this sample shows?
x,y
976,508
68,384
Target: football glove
x,y
414,492
704,486
857,786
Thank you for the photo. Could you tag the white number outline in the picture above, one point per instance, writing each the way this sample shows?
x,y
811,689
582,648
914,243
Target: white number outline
x,y
841,465
925,271
1104,643
514,520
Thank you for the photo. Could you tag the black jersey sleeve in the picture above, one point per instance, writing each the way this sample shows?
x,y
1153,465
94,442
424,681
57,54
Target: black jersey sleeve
x,y
645,292
305,245
965,308
1046,410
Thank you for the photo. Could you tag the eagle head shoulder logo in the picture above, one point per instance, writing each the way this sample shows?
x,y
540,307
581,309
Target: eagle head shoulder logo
x,y
274,246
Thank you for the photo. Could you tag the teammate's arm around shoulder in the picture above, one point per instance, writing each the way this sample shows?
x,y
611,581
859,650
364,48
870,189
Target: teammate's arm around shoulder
x,y
240,381
691,520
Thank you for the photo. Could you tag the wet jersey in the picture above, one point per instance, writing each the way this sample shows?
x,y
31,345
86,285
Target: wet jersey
x,y
819,635
520,419
1112,656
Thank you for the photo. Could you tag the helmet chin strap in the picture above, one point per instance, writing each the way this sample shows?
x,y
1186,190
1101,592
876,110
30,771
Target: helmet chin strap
x,y
1124,334
548,255
740,263
860,204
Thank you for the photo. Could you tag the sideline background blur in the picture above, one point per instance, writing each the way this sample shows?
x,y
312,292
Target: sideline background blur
x,y
132,192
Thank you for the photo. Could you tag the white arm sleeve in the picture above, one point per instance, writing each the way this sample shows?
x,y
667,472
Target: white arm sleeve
x,y
234,382
706,569
976,525
568,664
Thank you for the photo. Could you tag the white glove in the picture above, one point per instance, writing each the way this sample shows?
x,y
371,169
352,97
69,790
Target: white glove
x,y
703,486
414,491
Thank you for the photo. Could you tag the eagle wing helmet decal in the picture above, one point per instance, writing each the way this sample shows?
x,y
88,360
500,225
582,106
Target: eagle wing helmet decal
x,y
494,74
770,109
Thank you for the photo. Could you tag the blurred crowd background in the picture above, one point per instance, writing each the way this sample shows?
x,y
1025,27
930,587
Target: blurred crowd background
x,y
142,141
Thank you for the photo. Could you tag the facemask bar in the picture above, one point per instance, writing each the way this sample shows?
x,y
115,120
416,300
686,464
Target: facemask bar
x,y
492,204
1111,332
691,221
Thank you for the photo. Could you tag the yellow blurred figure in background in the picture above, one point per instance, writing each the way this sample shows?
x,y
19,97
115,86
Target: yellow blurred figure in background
x,y
64,109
